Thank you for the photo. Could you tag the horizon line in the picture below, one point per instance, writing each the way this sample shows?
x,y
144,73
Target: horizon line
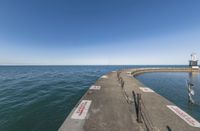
x,y
94,65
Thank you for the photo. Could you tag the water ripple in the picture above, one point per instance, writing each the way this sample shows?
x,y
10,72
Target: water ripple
x,y
38,98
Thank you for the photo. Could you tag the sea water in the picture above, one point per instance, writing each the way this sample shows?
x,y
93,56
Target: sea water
x,y
39,98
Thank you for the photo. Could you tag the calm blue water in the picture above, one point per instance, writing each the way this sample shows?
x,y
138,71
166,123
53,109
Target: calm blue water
x,y
173,87
38,98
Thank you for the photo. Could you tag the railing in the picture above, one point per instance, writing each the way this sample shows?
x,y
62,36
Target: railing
x,y
141,112
121,82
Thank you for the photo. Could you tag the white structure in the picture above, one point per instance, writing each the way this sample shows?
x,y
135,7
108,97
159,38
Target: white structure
x,y
193,62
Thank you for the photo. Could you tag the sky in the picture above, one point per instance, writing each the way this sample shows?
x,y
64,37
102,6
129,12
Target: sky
x,y
99,32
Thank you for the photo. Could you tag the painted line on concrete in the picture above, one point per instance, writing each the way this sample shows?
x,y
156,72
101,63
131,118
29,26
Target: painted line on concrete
x,y
104,76
146,89
186,117
82,110
93,87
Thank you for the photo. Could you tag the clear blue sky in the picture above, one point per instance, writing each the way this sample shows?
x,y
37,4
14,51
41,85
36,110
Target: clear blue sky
x,y
70,32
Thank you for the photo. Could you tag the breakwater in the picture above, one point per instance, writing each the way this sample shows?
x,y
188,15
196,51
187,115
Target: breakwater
x,y
111,105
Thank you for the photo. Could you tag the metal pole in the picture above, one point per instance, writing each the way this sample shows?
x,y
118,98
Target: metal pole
x,y
122,85
139,115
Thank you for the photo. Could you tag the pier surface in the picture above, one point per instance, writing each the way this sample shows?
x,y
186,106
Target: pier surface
x,y
108,106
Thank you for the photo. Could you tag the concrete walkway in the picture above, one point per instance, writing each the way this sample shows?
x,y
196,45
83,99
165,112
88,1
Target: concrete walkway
x,y
161,117
110,111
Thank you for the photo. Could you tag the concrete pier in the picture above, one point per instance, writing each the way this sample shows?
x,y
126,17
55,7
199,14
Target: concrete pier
x,y
109,105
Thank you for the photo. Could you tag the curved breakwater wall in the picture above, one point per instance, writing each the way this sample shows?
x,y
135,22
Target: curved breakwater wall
x,y
110,104
139,71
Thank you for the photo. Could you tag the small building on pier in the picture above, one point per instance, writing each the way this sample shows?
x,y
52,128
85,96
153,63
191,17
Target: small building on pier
x,y
193,62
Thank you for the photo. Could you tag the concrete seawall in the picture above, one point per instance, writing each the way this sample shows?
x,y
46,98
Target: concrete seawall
x,y
139,71
109,105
